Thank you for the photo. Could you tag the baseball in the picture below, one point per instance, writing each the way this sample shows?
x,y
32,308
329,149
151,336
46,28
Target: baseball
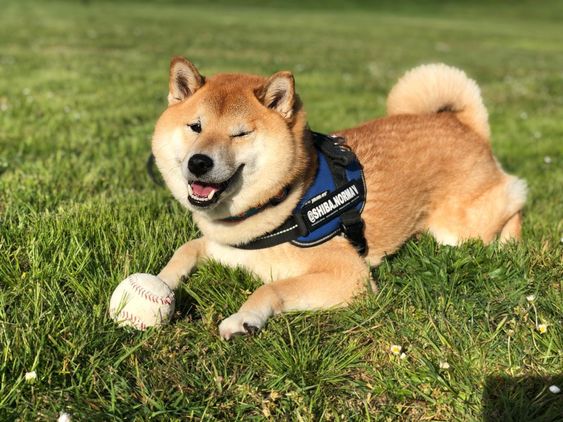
x,y
141,301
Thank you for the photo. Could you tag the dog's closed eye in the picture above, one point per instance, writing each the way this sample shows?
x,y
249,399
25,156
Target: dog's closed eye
x,y
241,133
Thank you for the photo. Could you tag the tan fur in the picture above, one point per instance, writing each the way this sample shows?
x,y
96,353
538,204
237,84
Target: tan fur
x,y
425,171
432,88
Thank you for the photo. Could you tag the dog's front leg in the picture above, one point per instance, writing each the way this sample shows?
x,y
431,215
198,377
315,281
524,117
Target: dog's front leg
x,y
183,262
310,291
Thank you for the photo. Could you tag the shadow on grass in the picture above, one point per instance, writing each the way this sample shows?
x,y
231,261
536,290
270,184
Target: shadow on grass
x,y
185,307
522,399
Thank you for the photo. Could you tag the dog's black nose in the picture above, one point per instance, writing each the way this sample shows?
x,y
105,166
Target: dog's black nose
x,y
200,164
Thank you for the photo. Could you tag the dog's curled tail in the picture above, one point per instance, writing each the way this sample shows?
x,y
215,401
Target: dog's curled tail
x,y
435,88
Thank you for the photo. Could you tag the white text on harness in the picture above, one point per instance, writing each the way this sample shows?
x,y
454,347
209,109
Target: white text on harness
x,y
336,202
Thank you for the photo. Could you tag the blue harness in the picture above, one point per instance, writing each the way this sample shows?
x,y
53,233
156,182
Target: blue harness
x,y
331,206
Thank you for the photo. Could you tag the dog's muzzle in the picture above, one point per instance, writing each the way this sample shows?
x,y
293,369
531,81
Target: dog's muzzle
x,y
203,194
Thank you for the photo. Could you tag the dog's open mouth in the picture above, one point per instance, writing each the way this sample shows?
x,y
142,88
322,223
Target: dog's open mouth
x,y
203,194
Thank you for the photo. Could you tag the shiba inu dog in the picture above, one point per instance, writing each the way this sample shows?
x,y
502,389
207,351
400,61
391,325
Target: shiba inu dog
x,y
235,149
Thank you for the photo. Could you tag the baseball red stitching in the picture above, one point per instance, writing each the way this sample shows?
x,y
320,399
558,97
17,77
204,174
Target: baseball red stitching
x,y
149,295
126,316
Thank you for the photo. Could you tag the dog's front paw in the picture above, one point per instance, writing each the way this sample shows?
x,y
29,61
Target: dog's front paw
x,y
240,323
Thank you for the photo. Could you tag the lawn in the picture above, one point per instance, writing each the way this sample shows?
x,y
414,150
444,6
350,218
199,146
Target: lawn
x,y
81,86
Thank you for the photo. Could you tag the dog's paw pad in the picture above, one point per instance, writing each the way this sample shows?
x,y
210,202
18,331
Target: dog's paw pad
x,y
240,323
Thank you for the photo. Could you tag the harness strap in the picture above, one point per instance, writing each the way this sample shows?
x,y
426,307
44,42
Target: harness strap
x,y
291,229
273,202
353,229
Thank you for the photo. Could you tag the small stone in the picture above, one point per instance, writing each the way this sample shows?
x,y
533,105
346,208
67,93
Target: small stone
x,y
554,389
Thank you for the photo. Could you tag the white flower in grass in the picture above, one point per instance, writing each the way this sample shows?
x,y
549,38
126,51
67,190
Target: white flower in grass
x,y
30,376
64,417
547,159
403,356
554,389
444,365
542,328
531,298
395,349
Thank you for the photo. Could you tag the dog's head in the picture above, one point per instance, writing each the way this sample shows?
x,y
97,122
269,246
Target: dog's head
x,y
230,142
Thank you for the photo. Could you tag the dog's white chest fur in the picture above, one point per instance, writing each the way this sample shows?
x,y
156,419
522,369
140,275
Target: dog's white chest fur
x,y
265,263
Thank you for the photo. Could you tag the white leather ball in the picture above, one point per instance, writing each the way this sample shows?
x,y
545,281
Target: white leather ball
x,y
142,301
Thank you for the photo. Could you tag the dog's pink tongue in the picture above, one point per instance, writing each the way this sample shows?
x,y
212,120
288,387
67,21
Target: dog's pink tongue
x,y
203,190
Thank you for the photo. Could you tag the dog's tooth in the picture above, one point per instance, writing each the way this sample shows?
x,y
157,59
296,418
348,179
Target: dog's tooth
x,y
210,195
190,191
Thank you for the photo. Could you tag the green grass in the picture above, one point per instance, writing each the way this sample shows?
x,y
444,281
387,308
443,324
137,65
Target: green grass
x,y
81,86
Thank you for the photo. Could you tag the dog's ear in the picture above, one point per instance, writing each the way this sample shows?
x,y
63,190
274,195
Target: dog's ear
x,y
278,93
184,80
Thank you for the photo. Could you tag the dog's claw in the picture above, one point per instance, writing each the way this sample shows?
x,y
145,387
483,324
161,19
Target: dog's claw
x,y
250,329
240,323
